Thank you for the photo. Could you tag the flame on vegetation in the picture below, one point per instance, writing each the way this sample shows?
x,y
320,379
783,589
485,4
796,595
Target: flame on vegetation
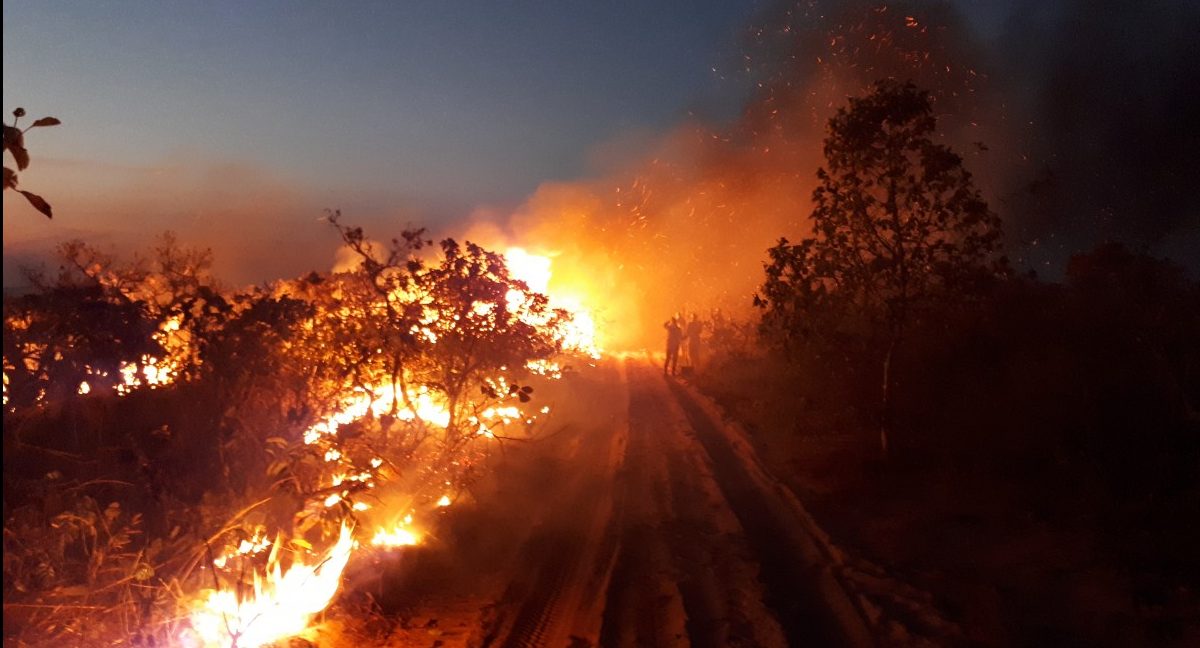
x,y
148,371
421,405
280,605
255,544
685,225
535,271
400,534
284,600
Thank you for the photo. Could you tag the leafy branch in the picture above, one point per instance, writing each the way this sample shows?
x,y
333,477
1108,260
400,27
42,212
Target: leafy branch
x,y
14,143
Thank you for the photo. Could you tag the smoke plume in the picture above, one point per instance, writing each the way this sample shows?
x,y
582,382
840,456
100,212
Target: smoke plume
x,y
1073,123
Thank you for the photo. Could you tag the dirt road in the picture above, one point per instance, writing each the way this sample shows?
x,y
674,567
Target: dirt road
x,y
642,523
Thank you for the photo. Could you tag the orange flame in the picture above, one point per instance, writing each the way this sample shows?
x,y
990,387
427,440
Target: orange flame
x,y
401,534
281,605
534,270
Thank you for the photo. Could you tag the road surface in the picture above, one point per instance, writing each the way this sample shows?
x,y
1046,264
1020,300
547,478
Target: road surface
x,y
640,519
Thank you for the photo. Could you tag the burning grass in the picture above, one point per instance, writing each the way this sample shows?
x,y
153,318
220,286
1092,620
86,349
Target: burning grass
x,y
280,603
340,412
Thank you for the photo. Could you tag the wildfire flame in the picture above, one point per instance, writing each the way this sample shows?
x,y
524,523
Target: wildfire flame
x,y
533,269
401,534
148,371
281,602
280,606
152,372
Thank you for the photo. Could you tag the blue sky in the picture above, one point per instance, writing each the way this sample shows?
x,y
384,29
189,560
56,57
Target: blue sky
x,y
419,110
480,100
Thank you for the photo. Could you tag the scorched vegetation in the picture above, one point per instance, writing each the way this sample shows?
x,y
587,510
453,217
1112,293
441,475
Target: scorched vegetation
x,y
191,465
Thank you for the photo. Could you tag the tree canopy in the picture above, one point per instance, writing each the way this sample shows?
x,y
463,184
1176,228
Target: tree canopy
x,y
896,221
897,225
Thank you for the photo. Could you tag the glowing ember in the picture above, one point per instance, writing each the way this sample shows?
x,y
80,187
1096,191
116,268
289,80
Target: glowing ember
x,y
544,368
400,535
280,605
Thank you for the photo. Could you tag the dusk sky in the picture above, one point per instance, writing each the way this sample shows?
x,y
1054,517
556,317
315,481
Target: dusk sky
x,y
406,111
601,323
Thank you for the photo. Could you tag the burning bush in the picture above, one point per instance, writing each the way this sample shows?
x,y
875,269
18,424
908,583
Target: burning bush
x,y
337,404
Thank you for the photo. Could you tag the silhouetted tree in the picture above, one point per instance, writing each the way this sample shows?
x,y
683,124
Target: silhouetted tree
x,y
55,339
897,222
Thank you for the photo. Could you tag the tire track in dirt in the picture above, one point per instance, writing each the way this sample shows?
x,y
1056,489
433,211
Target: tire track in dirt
x,y
795,587
643,607
655,533
568,559
685,574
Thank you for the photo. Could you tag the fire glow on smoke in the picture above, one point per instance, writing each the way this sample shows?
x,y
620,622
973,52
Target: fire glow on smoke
x,y
283,601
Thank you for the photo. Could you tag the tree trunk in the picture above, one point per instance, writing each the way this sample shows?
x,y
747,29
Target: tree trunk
x,y
885,423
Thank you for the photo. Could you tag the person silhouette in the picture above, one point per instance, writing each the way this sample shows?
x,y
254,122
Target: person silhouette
x,y
674,328
695,329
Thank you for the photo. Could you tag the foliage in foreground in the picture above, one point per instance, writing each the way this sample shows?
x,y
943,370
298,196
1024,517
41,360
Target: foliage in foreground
x,y
14,144
215,423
